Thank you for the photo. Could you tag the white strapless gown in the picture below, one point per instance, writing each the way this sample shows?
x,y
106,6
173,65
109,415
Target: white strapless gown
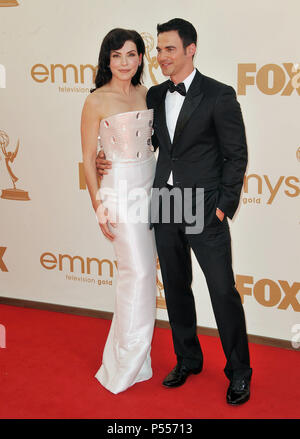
x,y
126,141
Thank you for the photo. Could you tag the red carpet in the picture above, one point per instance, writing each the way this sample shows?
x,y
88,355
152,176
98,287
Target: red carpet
x,y
47,371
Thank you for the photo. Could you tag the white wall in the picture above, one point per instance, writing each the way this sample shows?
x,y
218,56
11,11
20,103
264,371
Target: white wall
x,y
45,118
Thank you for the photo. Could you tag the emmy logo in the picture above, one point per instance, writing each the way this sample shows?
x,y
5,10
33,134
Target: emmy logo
x,y
152,61
5,3
12,193
160,300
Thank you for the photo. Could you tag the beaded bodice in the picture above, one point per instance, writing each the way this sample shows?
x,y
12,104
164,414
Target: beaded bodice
x,y
127,136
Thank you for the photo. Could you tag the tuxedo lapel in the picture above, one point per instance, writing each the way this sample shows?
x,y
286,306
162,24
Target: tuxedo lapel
x,y
193,98
161,123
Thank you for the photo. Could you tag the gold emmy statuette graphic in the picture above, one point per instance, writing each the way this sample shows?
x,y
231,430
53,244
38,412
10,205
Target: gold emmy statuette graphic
x,y
12,193
160,300
298,154
152,61
5,3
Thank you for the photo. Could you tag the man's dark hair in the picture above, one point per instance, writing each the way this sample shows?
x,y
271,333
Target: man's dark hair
x,y
185,29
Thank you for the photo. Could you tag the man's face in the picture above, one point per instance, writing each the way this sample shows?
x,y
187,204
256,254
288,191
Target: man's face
x,y
171,55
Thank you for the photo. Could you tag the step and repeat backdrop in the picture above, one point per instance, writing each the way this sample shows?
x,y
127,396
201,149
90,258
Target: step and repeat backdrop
x,y
51,247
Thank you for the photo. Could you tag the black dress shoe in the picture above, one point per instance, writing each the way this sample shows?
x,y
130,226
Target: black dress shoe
x,y
238,391
178,375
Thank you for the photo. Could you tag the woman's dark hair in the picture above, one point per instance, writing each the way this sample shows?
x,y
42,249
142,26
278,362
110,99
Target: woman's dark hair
x,y
115,40
185,29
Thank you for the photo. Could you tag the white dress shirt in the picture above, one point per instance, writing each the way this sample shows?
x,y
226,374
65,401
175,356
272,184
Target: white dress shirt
x,y
173,104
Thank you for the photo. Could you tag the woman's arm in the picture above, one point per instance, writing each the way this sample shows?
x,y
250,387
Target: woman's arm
x,y
89,139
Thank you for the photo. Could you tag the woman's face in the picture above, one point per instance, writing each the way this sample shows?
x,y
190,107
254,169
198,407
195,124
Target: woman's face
x,y
124,62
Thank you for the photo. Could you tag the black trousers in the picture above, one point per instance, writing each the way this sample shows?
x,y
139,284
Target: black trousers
x,y
212,249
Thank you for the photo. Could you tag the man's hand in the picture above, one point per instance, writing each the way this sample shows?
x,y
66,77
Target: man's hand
x,y
220,214
102,164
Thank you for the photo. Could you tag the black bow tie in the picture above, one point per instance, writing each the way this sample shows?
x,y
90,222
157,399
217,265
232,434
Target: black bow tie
x,y
180,88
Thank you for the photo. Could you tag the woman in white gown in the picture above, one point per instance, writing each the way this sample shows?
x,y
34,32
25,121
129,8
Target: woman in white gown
x,y
117,115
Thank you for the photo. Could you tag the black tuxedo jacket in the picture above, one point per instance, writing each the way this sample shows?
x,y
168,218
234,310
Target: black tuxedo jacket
x,y
209,148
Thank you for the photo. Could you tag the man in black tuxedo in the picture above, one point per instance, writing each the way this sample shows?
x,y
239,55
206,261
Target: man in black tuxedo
x,y
199,129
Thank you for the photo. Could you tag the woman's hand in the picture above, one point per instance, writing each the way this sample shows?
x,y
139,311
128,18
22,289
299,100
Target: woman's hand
x,y
103,220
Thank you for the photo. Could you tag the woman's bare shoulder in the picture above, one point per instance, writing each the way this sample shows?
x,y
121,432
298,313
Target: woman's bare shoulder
x,y
96,101
96,97
142,89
